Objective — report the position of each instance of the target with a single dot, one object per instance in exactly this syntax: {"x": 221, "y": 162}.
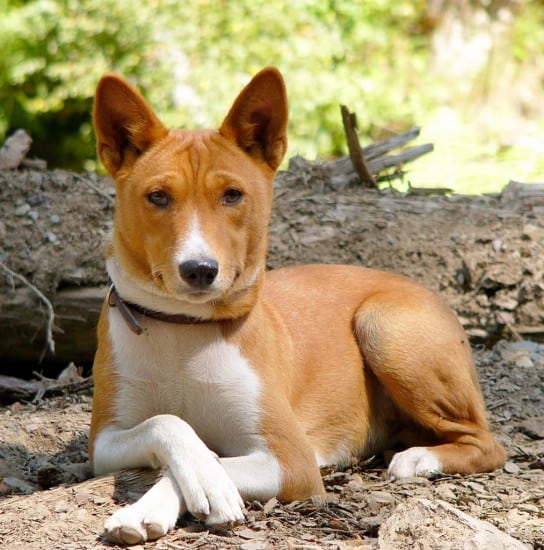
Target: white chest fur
{"x": 190, "y": 372}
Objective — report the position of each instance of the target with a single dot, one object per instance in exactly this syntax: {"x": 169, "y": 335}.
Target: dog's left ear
{"x": 257, "y": 122}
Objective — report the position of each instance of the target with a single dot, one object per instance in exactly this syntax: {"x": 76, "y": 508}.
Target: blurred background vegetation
{"x": 470, "y": 72}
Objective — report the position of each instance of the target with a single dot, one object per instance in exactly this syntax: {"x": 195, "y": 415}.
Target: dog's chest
{"x": 191, "y": 372}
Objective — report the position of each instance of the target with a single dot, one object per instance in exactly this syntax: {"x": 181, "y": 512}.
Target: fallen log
{"x": 316, "y": 217}
{"x": 23, "y": 326}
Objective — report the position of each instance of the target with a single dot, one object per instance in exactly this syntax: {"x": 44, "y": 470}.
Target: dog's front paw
{"x": 416, "y": 461}
{"x": 149, "y": 518}
{"x": 209, "y": 492}
{"x": 131, "y": 525}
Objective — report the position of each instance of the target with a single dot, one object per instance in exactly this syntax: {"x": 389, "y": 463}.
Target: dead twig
{"x": 355, "y": 151}
{"x": 50, "y": 341}
{"x": 378, "y": 164}
{"x": 17, "y": 389}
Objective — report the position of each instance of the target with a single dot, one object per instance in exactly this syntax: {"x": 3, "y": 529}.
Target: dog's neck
{"x": 126, "y": 309}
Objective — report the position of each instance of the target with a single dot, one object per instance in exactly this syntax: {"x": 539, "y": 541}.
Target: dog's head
{"x": 192, "y": 207}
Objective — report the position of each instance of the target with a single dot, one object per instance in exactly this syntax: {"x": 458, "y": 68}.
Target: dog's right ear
{"x": 257, "y": 122}
{"x": 125, "y": 124}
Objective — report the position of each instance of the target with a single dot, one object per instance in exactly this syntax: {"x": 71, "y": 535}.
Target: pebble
{"x": 51, "y": 237}
{"x": 54, "y": 219}
{"x": 531, "y": 508}
{"x": 532, "y": 232}
{"x": 33, "y": 215}
{"x": 497, "y": 245}
{"x": 511, "y": 468}
{"x": 35, "y": 200}
{"x": 445, "y": 493}
{"x": 524, "y": 362}
{"x": 533, "y": 427}
{"x": 23, "y": 209}
{"x": 35, "y": 179}
{"x": 382, "y": 497}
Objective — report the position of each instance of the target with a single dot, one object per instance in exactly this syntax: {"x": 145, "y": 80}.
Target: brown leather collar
{"x": 114, "y": 300}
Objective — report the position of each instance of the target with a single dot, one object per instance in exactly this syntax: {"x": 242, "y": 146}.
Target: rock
{"x": 382, "y": 497}
{"x": 524, "y": 362}
{"x": 23, "y": 210}
{"x": 511, "y": 468}
{"x": 420, "y": 523}
{"x": 532, "y": 232}
{"x": 445, "y": 492}
{"x": 19, "y": 485}
{"x": 533, "y": 427}
{"x": 525, "y": 345}
{"x": 14, "y": 150}
{"x": 51, "y": 237}
{"x": 36, "y": 200}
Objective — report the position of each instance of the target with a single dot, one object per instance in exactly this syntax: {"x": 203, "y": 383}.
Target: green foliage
{"x": 191, "y": 58}
{"x": 53, "y": 53}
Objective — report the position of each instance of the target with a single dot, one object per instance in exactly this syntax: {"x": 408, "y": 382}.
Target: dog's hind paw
{"x": 416, "y": 461}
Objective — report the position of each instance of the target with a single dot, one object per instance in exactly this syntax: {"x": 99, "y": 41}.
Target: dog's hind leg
{"x": 420, "y": 354}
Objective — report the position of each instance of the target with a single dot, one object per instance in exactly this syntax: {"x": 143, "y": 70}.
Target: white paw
{"x": 209, "y": 492}
{"x": 132, "y": 525}
{"x": 416, "y": 461}
{"x": 151, "y": 517}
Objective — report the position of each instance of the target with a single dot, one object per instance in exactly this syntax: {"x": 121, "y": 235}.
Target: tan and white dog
{"x": 241, "y": 383}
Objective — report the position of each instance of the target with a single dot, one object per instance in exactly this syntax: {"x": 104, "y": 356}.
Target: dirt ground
{"x": 43, "y": 445}
{"x": 485, "y": 255}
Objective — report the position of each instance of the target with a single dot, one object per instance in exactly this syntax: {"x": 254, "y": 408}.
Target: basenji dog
{"x": 242, "y": 383}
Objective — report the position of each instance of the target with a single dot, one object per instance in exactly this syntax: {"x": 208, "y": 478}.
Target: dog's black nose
{"x": 199, "y": 274}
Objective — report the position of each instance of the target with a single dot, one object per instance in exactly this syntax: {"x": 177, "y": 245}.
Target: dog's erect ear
{"x": 125, "y": 125}
{"x": 257, "y": 121}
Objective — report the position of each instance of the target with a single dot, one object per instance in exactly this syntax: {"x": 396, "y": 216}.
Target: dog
{"x": 241, "y": 383}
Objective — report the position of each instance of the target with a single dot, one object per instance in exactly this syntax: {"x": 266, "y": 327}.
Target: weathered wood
{"x": 347, "y": 218}
{"x": 346, "y": 170}
{"x": 15, "y": 389}
{"x": 397, "y": 141}
{"x": 381, "y": 163}
{"x": 23, "y": 325}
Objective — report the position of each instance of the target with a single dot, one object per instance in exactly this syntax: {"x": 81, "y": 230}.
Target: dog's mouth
{"x": 231, "y": 285}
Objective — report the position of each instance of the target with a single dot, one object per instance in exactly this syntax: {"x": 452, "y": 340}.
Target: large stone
{"x": 428, "y": 525}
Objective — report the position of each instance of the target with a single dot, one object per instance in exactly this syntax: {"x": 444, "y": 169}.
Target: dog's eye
{"x": 159, "y": 198}
{"x": 232, "y": 197}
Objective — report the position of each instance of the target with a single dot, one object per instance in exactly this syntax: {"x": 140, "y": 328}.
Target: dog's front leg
{"x": 196, "y": 481}
{"x": 258, "y": 476}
